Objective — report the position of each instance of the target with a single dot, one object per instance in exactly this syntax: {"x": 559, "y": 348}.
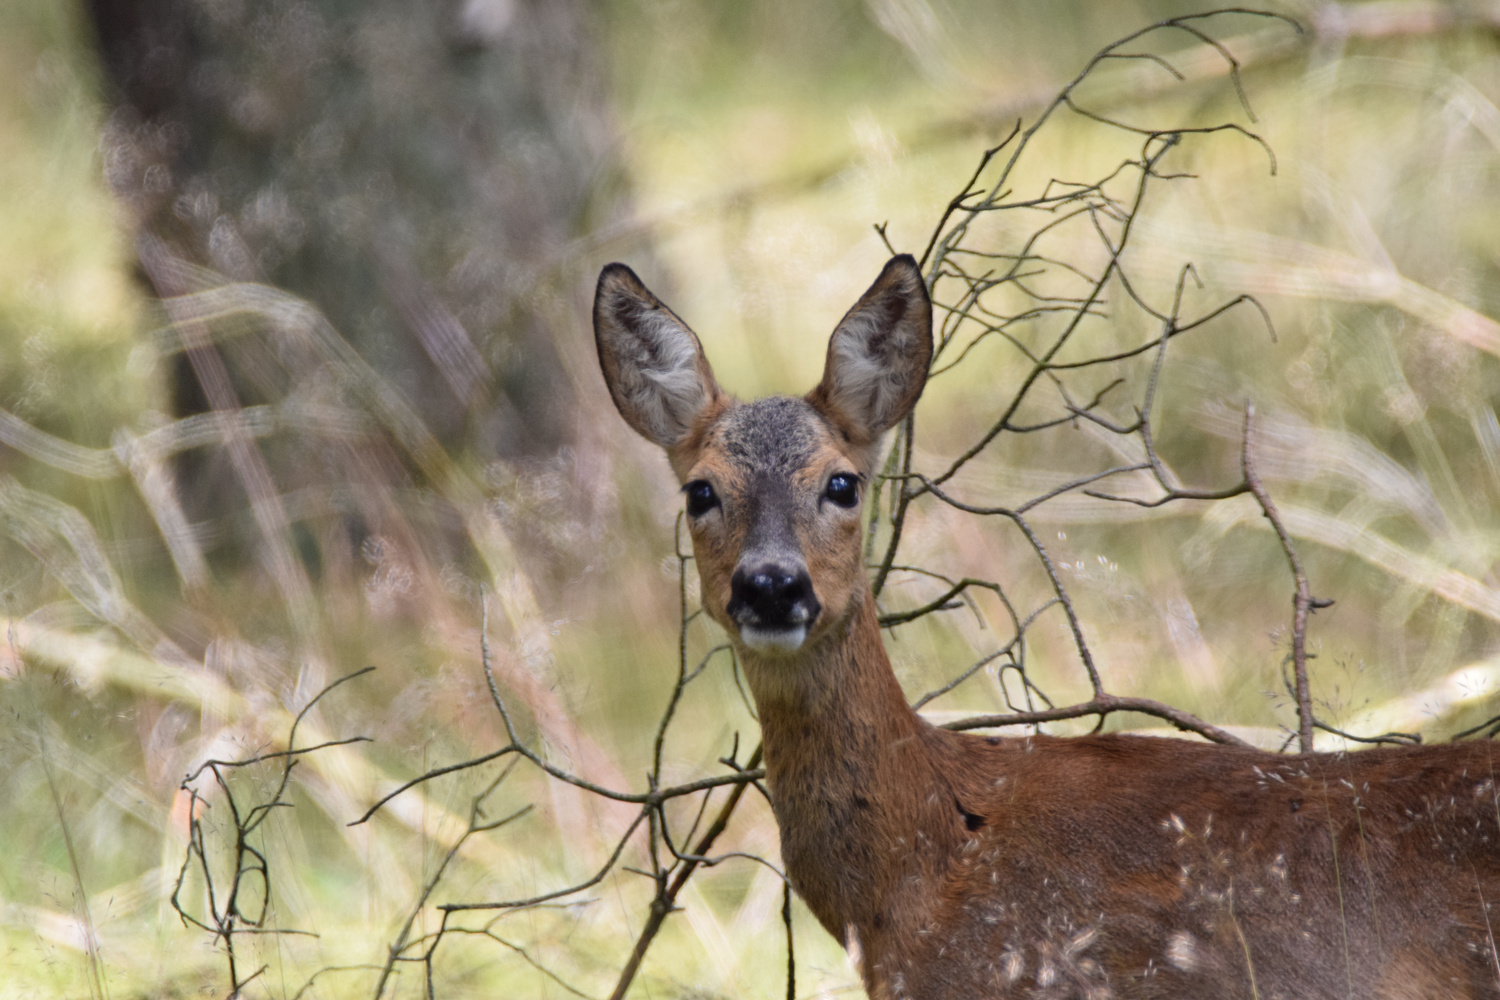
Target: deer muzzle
{"x": 772, "y": 605}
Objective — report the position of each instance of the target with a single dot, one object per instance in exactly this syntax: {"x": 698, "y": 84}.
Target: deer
{"x": 959, "y": 865}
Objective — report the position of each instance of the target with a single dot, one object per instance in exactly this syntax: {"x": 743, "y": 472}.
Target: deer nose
{"x": 772, "y": 597}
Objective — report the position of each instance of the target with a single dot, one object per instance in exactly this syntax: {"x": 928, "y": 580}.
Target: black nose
{"x": 771, "y": 596}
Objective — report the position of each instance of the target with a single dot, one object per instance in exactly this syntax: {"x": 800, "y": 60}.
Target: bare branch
{"x": 1103, "y": 705}
{"x": 1303, "y": 603}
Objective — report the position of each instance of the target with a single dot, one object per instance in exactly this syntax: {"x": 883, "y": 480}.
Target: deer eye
{"x": 843, "y": 489}
{"x": 701, "y": 497}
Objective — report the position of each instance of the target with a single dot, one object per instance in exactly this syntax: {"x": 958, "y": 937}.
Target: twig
{"x": 1303, "y": 603}
{"x": 227, "y": 915}
{"x": 1103, "y": 705}
{"x": 666, "y": 899}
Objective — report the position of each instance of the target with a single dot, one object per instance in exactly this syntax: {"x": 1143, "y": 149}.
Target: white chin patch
{"x": 779, "y": 640}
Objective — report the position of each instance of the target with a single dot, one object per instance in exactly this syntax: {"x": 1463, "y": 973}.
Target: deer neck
{"x": 853, "y": 776}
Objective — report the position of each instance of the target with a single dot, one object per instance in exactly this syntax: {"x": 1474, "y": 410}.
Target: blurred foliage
{"x": 69, "y": 312}
{"x": 759, "y": 143}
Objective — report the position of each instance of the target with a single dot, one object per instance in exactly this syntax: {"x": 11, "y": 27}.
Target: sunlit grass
{"x": 1372, "y": 249}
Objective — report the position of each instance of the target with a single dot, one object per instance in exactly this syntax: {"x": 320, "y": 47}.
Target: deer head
{"x": 774, "y": 488}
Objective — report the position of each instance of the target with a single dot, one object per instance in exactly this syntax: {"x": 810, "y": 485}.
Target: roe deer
{"x": 956, "y": 865}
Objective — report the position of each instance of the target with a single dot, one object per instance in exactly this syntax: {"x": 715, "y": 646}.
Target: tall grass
{"x": 141, "y": 643}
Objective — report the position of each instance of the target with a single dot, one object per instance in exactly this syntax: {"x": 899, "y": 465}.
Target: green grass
{"x": 1371, "y": 248}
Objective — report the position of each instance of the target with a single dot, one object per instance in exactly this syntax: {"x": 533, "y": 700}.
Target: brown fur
{"x": 958, "y": 865}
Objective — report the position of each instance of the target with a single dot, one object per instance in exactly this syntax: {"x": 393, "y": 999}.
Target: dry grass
{"x": 141, "y": 643}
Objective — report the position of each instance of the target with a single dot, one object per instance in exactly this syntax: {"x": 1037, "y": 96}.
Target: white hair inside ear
{"x": 879, "y": 353}
{"x": 652, "y": 363}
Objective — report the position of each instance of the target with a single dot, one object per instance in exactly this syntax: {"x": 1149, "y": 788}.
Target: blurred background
{"x": 296, "y": 372}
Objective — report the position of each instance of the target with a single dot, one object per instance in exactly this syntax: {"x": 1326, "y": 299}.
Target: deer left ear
{"x": 878, "y": 355}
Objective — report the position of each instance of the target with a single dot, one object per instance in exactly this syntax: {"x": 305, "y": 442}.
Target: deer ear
{"x": 878, "y": 355}
{"x": 653, "y": 364}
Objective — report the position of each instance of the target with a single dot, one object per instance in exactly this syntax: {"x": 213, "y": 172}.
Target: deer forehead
{"x": 780, "y": 439}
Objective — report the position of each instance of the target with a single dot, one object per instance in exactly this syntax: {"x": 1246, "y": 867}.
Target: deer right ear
{"x": 653, "y": 364}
